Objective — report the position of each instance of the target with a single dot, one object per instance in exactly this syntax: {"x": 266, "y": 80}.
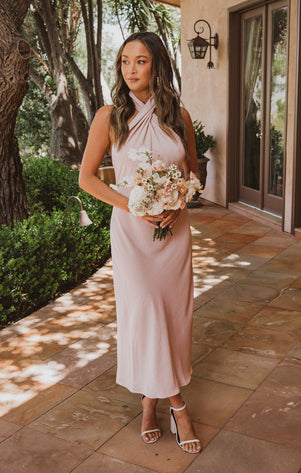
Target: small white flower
{"x": 144, "y": 150}
{"x": 146, "y": 166}
{"x": 115, "y": 187}
{"x": 134, "y": 155}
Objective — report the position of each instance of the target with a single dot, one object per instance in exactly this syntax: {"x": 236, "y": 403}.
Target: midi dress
{"x": 152, "y": 279}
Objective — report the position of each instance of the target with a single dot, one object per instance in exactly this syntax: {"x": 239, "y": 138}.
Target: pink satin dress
{"x": 152, "y": 280}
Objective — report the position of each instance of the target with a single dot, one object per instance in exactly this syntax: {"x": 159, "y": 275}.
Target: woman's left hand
{"x": 170, "y": 217}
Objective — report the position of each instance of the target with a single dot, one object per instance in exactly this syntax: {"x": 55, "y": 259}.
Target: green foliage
{"x": 48, "y": 183}
{"x": 203, "y": 142}
{"x": 33, "y": 126}
{"x": 42, "y": 256}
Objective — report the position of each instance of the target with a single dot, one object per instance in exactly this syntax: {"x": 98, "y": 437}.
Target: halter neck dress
{"x": 152, "y": 280}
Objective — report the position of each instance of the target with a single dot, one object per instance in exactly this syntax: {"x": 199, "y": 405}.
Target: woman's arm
{"x": 97, "y": 145}
{"x": 190, "y": 163}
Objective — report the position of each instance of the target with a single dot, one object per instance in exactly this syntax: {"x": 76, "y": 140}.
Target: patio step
{"x": 298, "y": 233}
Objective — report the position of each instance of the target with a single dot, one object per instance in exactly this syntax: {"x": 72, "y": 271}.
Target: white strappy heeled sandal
{"x": 149, "y": 431}
{"x": 174, "y": 430}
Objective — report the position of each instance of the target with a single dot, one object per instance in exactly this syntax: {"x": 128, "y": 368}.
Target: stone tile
{"x": 287, "y": 321}
{"x": 7, "y": 429}
{"x": 88, "y": 358}
{"x": 276, "y": 239}
{"x": 212, "y": 332}
{"x": 199, "y": 300}
{"x": 82, "y": 318}
{"x": 232, "y": 237}
{"x": 85, "y": 418}
{"x": 291, "y": 253}
{"x": 285, "y": 381}
{"x": 263, "y": 278}
{"x": 200, "y": 219}
{"x": 211, "y": 209}
{"x": 32, "y": 346}
{"x": 230, "y": 222}
{"x": 270, "y": 417}
{"x": 234, "y": 453}
{"x": 288, "y": 299}
{"x": 297, "y": 284}
{"x": 277, "y": 265}
{"x": 235, "y": 368}
{"x": 34, "y": 379}
{"x": 38, "y": 405}
{"x": 28, "y": 323}
{"x": 260, "y": 250}
{"x": 105, "y": 387}
{"x": 253, "y": 228}
{"x": 210, "y": 402}
{"x": 199, "y": 351}
{"x": 10, "y": 398}
{"x": 250, "y": 293}
{"x": 80, "y": 377}
{"x": 294, "y": 356}
{"x": 99, "y": 463}
{"x": 213, "y": 281}
{"x": 163, "y": 456}
{"x": 28, "y": 451}
{"x": 220, "y": 308}
{"x": 245, "y": 261}
{"x": 262, "y": 342}
{"x": 11, "y": 367}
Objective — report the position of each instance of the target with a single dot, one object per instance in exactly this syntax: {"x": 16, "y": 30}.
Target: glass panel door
{"x": 263, "y": 106}
{"x": 252, "y": 101}
{"x": 276, "y": 116}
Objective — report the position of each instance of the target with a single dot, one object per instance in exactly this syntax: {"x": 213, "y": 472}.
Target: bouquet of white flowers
{"x": 158, "y": 187}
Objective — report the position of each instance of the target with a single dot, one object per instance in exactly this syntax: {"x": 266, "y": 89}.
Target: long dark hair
{"x": 167, "y": 99}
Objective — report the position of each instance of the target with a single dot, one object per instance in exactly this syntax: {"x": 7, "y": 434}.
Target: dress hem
{"x": 152, "y": 395}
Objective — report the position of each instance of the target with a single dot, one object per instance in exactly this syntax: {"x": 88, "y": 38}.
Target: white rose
{"x": 137, "y": 201}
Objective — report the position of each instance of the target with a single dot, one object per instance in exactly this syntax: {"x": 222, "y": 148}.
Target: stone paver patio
{"x": 62, "y": 412}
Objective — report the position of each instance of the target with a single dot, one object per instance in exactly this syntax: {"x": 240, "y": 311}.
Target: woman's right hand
{"x": 152, "y": 219}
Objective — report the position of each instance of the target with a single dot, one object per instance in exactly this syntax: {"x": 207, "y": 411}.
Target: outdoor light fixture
{"x": 198, "y": 46}
{"x": 83, "y": 217}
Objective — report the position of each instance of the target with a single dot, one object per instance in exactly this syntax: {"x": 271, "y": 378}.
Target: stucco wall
{"x": 204, "y": 91}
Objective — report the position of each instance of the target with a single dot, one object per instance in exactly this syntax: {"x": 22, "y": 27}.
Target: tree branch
{"x": 39, "y": 81}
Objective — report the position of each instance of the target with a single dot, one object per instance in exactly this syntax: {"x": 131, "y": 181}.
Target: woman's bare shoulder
{"x": 185, "y": 114}
{"x": 104, "y": 113}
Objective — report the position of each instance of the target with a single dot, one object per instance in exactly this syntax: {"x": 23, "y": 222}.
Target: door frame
{"x": 297, "y": 141}
{"x": 233, "y": 101}
{"x": 252, "y": 196}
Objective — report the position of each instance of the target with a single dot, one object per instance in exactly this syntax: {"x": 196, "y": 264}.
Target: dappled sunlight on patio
{"x": 58, "y": 365}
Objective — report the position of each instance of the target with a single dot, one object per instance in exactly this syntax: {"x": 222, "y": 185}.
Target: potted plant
{"x": 203, "y": 143}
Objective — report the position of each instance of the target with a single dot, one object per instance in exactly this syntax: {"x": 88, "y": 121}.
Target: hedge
{"x": 42, "y": 256}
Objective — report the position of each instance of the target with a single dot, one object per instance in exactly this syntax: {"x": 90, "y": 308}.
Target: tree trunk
{"x": 63, "y": 143}
{"x": 14, "y": 63}
{"x": 69, "y": 126}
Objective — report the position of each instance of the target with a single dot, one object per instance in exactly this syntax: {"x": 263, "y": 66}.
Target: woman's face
{"x": 136, "y": 69}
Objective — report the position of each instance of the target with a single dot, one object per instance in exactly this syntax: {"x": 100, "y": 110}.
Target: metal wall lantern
{"x": 83, "y": 217}
{"x": 198, "y": 46}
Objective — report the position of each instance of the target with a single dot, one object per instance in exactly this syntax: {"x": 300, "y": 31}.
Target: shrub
{"x": 42, "y": 256}
{"x": 48, "y": 183}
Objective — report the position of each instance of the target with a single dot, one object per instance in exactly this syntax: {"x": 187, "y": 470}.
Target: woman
{"x": 152, "y": 280}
